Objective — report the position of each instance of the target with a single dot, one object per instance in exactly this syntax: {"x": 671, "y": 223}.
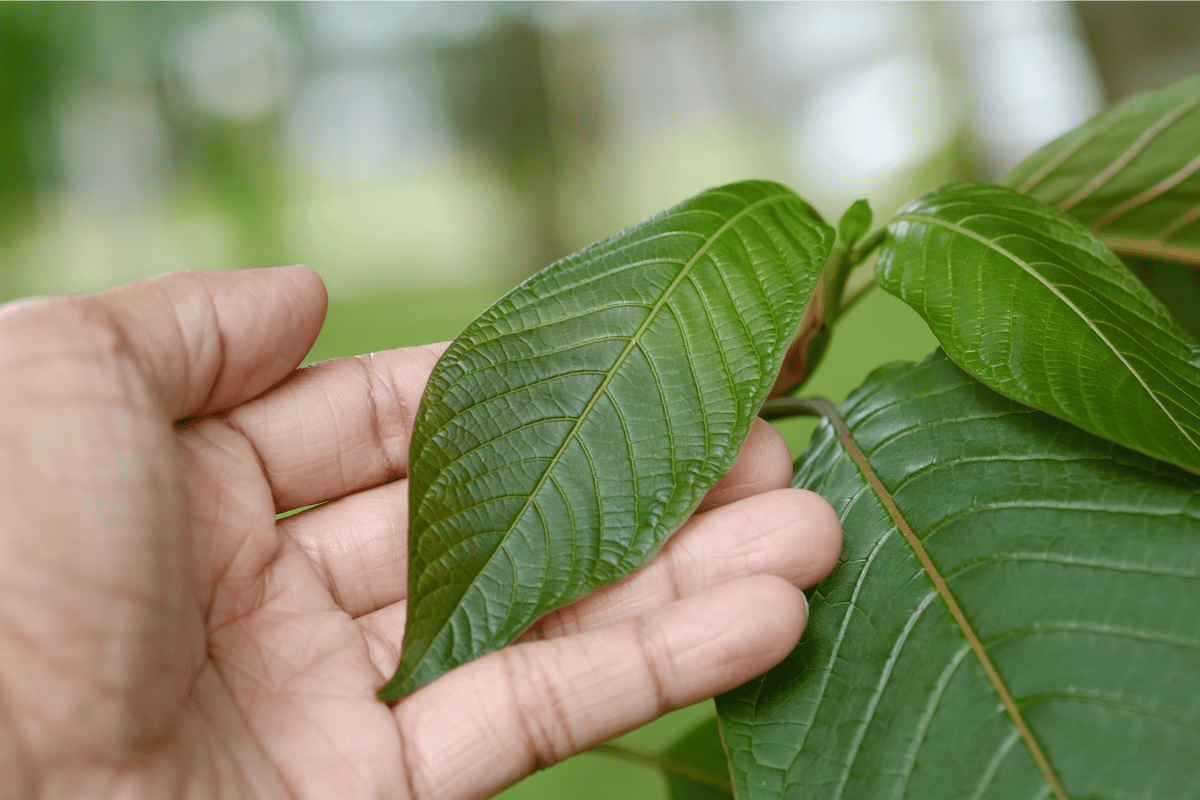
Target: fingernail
{"x": 804, "y": 597}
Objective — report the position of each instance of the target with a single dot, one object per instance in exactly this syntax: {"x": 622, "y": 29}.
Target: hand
{"x": 162, "y": 634}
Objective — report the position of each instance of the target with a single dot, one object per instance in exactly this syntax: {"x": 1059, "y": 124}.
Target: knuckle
{"x": 539, "y": 705}
{"x": 658, "y": 661}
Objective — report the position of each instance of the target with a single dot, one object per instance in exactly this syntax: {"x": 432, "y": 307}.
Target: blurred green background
{"x": 423, "y": 157}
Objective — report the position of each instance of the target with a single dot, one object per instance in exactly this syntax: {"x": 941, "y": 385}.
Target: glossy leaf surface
{"x": 700, "y": 769}
{"x": 1032, "y": 304}
{"x": 1132, "y": 174}
{"x": 1075, "y": 564}
{"x": 570, "y": 429}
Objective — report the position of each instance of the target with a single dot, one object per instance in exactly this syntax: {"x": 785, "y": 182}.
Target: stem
{"x": 784, "y": 407}
{"x": 828, "y": 301}
{"x": 856, "y": 293}
{"x": 867, "y": 246}
{"x": 651, "y": 759}
{"x": 847, "y": 261}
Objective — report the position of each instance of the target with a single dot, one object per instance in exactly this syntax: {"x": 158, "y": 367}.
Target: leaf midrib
{"x": 634, "y": 339}
{"x": 1153, "y": 248}
{"x": 1066, "y": 301}
{"x": 830, "y": 412}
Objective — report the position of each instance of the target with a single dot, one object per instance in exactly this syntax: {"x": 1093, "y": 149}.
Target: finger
{"x": 358, "y": 545}
{"x": 357, "y": 542}
{"x": 483, "y": 726}
{"x": 210, "y": 340}
{"x": 763, "y": 464}
{"x": 338, "y": 426}
{"x": 792, "y": 534}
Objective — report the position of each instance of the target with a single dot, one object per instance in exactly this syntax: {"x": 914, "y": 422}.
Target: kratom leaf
{"x": 1177, "y": 286}
{"x": 1029, "y": 302}
{"x": 1013, "y": 615}
{"x": 698, "y": 767}
{"x": 1131, "y": 174}
{"x": 855, "y": 222}
{"x": 570, "y": 429}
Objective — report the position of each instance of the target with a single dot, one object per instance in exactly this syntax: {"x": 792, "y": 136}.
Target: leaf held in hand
{"x": 576, "y": 424}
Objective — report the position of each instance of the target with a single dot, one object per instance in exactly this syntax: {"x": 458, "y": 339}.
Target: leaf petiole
{"x": 784, "y": 407}
{"x": 649, "y": 758}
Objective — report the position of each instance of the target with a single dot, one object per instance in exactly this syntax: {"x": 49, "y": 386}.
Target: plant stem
{"x": 847, "y": 260}
{"x": 855, "y": 293}
{"x": 651, "y": 759}
{"x": 829, "y": 300}
{"x": 867, "y": 246}
{"x": 784, "y": 407}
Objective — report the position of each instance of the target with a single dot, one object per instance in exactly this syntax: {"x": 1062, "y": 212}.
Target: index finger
{"x": 338, "y": 426}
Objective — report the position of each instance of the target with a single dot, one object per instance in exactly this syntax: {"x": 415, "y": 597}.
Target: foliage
{"x": 579, "y": 421}
{"x": 1014, "y": 612}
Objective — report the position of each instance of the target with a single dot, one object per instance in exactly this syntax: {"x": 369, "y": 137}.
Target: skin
{"x": 163, "y": 635}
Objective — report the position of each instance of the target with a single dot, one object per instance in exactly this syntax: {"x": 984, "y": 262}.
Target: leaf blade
{"x": 1067, "y": 553}
{"x": 1028, "y": 301}
{"x": 855, "y": 222}
{"x": 589, "y": 363}
{"x": 1132, "y": 174}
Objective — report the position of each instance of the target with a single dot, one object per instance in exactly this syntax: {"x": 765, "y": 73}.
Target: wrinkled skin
{"x": 163, "y": 635}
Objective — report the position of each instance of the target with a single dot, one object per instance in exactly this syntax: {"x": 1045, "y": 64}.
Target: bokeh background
{"x": 424, "y": 157}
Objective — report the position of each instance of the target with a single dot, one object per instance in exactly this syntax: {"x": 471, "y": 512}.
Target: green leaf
{"x": 1132, "y": 174}
{"x": 855, "y": 222}
{"x": 1177, "y": 286}
{"x": 1074, "y": 566}
{"x": 570, "y": 429}
{"x": 695, "y": 766}
{"x": 1032, "y": 304}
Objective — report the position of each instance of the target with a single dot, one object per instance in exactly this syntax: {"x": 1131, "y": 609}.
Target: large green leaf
{"x": 1028, "y": 301}
{"x": 578, "y": 422}
{"x": 1014, "y": 614}
{"x": 1131, "y": 174}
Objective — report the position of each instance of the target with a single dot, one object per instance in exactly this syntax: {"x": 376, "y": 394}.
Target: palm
{"x": 171, "y": 637}
{"x": 289, "y": 672}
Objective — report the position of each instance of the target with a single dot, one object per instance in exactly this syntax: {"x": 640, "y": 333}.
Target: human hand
{"x": 162, "y": 634}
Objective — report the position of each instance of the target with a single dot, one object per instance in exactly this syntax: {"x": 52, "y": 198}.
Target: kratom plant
{"x": 1016, "y": 612}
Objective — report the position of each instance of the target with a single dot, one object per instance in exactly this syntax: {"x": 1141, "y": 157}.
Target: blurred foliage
{"x": 30, "y": 63}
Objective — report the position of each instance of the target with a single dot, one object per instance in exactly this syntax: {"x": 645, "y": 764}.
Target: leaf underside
{"x": 1076, "y": 565}
{"x": 575, "y": 425}
{"x": 1131, "y": 174}
{"x": 1032, "y": 304}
